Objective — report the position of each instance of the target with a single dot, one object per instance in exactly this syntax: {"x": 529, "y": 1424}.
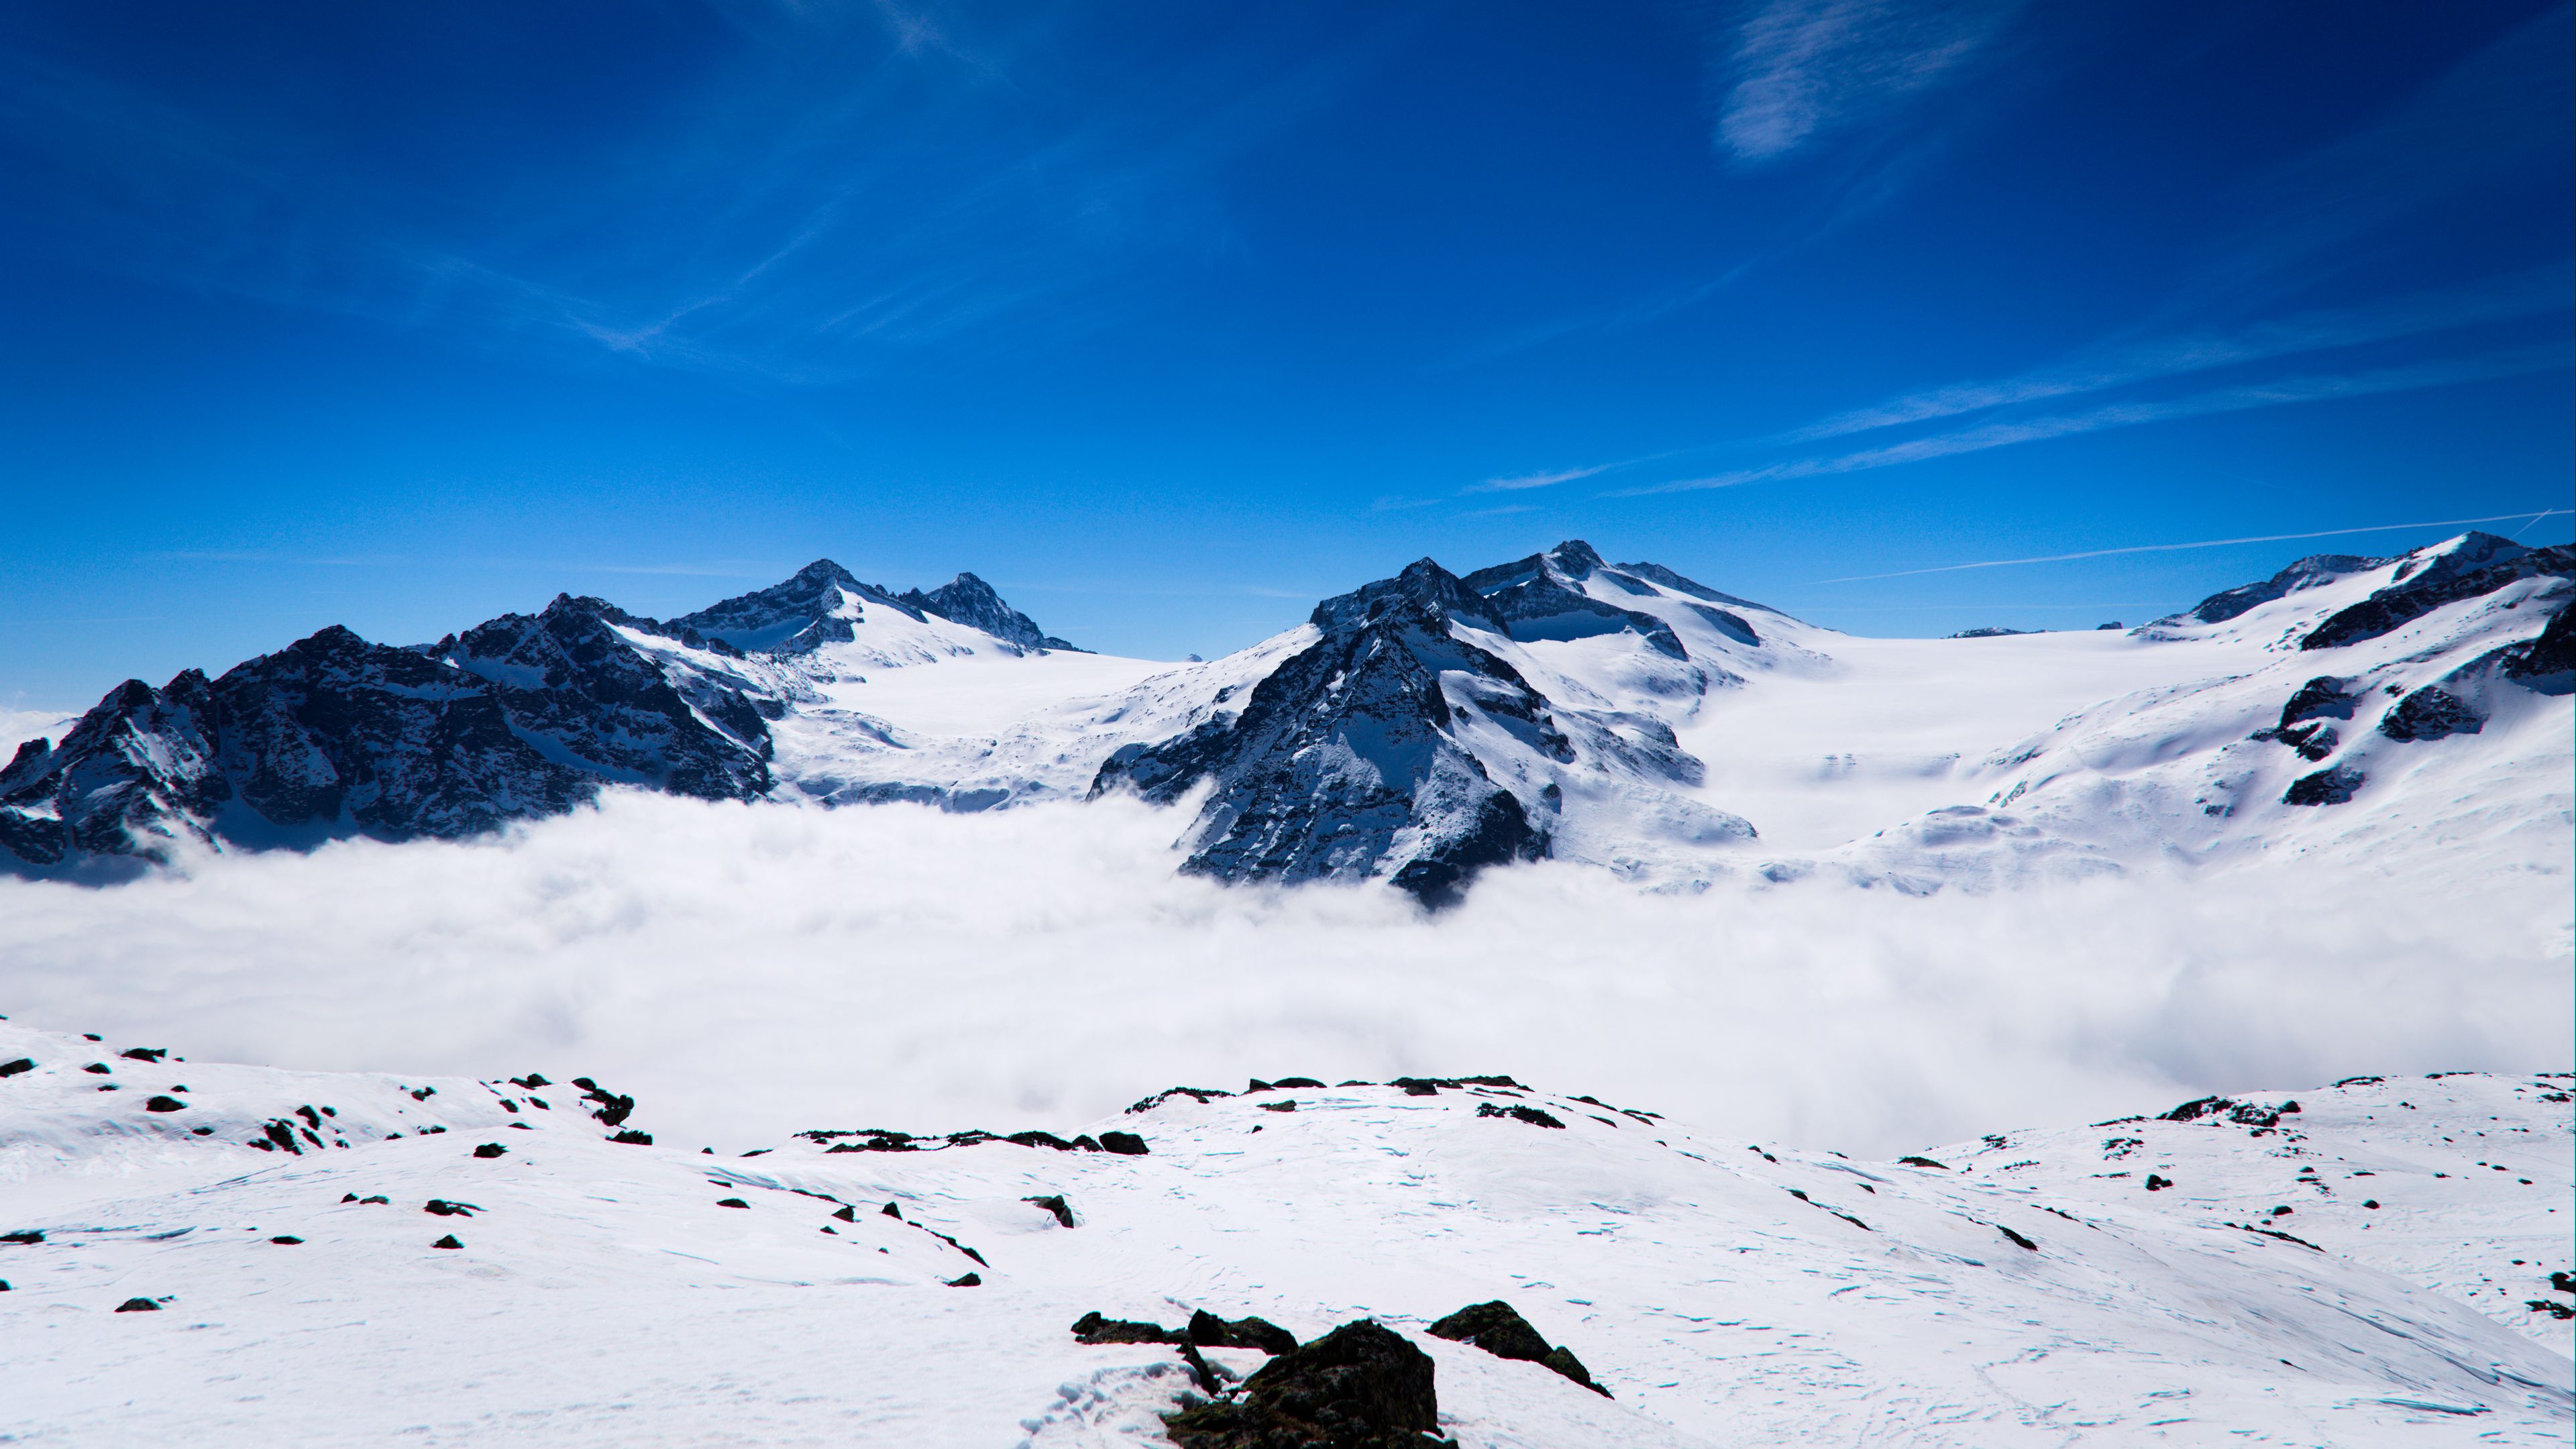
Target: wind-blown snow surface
{"x": 449, "y": 1261}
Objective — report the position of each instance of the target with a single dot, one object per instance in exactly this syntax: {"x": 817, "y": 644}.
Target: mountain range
{"x": 1416, "y": 730}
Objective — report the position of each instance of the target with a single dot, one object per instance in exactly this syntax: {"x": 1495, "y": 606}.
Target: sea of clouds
{"x": 751, "y": 970}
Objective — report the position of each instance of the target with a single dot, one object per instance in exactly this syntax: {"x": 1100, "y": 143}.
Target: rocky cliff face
{"x": 970, "y": 601}
{"x": 332, "y": 736}
{"x": 1346, "y": 761}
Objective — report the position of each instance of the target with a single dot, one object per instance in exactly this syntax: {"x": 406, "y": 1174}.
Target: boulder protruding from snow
{"x": 1361, "y": 1386}
{"x": 1499, "y": 1329}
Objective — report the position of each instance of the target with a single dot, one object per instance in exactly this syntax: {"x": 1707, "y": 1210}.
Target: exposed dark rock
{"x": 794, "y": 617}
{"x": 286, "y": 1242}
{"x": 2480, "y": 564}
{"x": 970, "y": 601}
{"x": 1351, "y": 743}
{"x": 1196, "y": 1094}
{"x": 1531, "y": 1115}
{"x": 731, "y": 1202}
{"x": 1301, "y": 1084}
{"x": 521, "y": 717}
{"x": 633, "y": 1137}
{"x": 1213, "y": 1332}
{"x": 2548, "y": 662}
{"x": 2306, "y": 573}
{"x": 2017, "y": 1239}
{"x": 23, "y": 1235}
{"x": 1499, "y": 1329}
{"x": 613, "y": 1109}
{"x": 2156, "y": 1183}
{"x": 1093, "y": 1328}
{"x": 449, "y": 1241}
{"x": 970, "y": 1280}
{"x": 1922, "y": 1162}
{"x": 1360, "y": 1386}
{"x": 1989, "y": 631}
{"x": 165, "y": 1104}
{"x": 2430, "y": 713}
{"x": 442, "y": 1208}
{"x": 145, "y": 1054}
{"x": 2326, "y": 787}
{"x": 1055, "y": 1206}
{"x": 1126, "y": 1144}
{"x": 22, "y": 1064}
{"x": 1539, "y": 598}
{"x": 138, "y": 1305}
{"x": 490, "y": 1149}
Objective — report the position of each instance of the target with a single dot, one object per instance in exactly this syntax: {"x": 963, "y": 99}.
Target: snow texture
{"x": 855, "y": 1284}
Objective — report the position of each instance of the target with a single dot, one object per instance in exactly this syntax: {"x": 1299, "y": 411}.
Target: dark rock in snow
{"x": 2430, "y": 713}
{"x": 23, "y": 1235}
{"x": 2326, "y": 787}
{"x": 1210, "y": 1331}
{"x": 1989, "y": 631}
{"x": 449, "y": 1241}
{"x": 333, "y": 736}
{"x": 286, "y": 1242}
{"x": 1093, "y": 1328}
{"x": 22, "y": 1064}
{"x": 970, "y": 601}
{"x": 144, "y": 1054}
{"x": 971, "y": 1280}
{"x": 794, "y": 617}
{"x": 98, "y": 1068}
{"x": 1124, "y": 1143}
{"x": 1499, "y": 1329}
{"x": 490, "y": 1149}
{"x": 731, "y": 1202}
{"x": 1361, "y": 1386}
{"x": 165, "y": 1104}
{"x": 1538, "y": 598}
{"x": 633, "y": 1138}
{"x": 1055, "y": 1207}
{"x": 1922, "y": 1162}
{"x": 1350, "y": 747}
{"x": 2548, "y": 662}
{"x": 442, "y": 1208}
{"x": 1531, "y": 1115}
{"x": 2307, "y": 573}
{"x": 2017, "y": 1239}
{"x": 138, "y": 1305}
{"x": 2480, "y": 563}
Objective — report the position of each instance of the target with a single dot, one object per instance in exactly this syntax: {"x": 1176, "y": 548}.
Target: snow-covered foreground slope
{"x": 823, "y": 1291}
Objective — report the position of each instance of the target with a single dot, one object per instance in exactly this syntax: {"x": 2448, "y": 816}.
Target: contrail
{"x": 2005, "y": 563}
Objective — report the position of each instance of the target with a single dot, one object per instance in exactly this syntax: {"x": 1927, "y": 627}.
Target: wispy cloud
{"x": 2525, "y": 519}
{"x": 2510, "y": 362}
{"x": 2523, "y": 294}
{"x": 1793, "y": 70}
{"x": 1523, "y": 481}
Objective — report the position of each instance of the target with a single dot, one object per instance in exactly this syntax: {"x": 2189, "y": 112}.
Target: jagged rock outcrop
{"x": 2481, "y": 563}
{"x": 815, "y": 607}
{"x": 522, "y": 717}
{"x": 969, "y": 600}
{"x": 1344, "y": 763}
{"x": 1538, "y": 598}
{"x": 2305, "y": 574}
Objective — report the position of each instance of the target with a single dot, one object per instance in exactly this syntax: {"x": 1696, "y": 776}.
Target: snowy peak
{"x": 817, "y": 606}
{"x": 969, "y": 600}
{"x": 1542, "y": 597}
{"x": 1347, "y": 761}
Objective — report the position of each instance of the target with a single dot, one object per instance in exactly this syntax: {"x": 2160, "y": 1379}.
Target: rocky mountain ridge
{"x": 1415, "y": 730}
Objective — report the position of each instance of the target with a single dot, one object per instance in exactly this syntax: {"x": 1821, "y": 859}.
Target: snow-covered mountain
{"x": 1415, "y": 730}
{"x": 208, "y": 1254}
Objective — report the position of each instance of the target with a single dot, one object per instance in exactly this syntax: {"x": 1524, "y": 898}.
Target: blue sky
{"x": 1170, "y": 318}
